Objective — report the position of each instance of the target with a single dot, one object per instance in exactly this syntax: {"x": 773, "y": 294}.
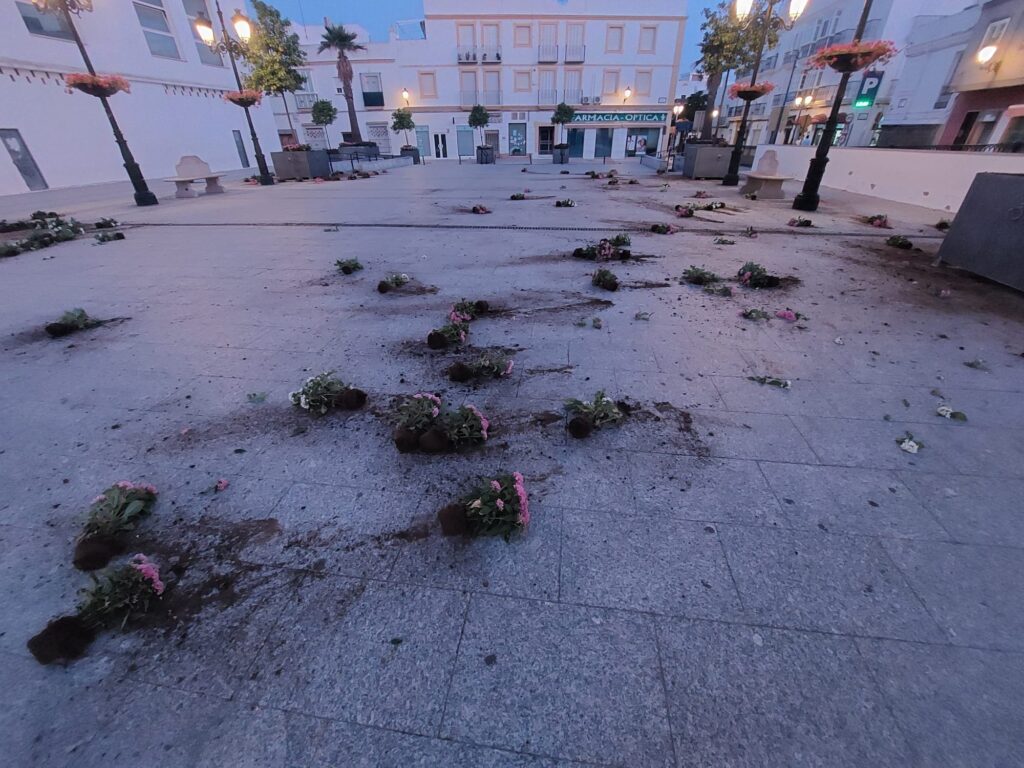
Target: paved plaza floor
{"x": 736, "y": 575}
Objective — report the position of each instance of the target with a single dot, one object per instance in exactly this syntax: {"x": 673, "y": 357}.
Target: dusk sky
{"x": 378, "y": 16}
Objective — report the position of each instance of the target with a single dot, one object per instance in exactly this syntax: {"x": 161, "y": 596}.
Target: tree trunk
{"x": 714, "y": 82}
{"x": 345, "y": 74}
{"x": 284, "y": 98}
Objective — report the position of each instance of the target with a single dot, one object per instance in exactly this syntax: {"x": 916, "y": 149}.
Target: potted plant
{"x": 480, "y": 119}
{"x": 401, "y": 120}
{"x": 563, "y": 115}
{"x": 750, "y": 91}
{"x": 247, "y": 97}
{"x": 851, "y": 57}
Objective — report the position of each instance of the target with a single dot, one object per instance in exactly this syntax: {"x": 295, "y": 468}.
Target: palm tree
{"x": 337, "y": 38}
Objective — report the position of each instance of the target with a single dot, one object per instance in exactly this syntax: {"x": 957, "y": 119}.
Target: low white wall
{"x": 938, "y": 180}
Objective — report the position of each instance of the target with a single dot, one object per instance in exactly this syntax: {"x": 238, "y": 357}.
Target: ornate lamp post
{"x": 743, "y": 12}
{"x": 808, "y": 198}
{"x": 65, "y": 9}
{"x": 233, "y": 48}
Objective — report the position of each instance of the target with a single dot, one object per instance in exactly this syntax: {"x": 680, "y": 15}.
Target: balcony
{"x": 547, "y": 54}
{"x": 572, "y": 97}
{"x": 467, "y": 54}
{"x": 489, "y": 54}
{"x": 492, "y": 98}
{"x": 547, "y": 96}
{"x": 575, "y": 54}
{"x": 373, "y": 98}
{"x": 468, "y": 98}
{"x": 304, "y": 101}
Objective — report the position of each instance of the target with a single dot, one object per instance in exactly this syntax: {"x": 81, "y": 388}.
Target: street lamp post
{"x": 64, "y": 9}
{"x": 808, "y": 198}
{"x": 233, "y": 48}
{"x": 743, "y": 11}
{"x": 792, "y": 73}
{"x": 801, "y": 103}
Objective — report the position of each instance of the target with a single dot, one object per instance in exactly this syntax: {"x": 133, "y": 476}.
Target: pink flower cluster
{"x": 508, "y": 368}
{"x": 128, "y": 485}
{"x": 864, "y": 53}
{"x": 745, "y": 277}
{"x": 433, "y": 398}
{"x": 484, "y": 423}
{"x": 150, "y": 572}
{"x": 105, "y": 82}
{"x": 458, "y": 318}
{"x": 762, "y": 88}
{"x": 524, "y": 506}
{"x": 786, "y": 314}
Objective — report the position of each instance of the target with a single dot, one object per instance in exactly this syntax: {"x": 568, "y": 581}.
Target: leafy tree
{"x": 273, "y": 54}
{"x": 343, "y": 42}
{"x": 324, "y": 113}
{"x": 479, "y": 119}
{"x": 695, "y": 102}
{"x": 563, "y": 115}
{"x": 401, "y": 120}
{"x": 731, "y": 44}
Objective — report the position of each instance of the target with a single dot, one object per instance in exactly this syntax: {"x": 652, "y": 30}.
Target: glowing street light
{"x": 627, "y": 93}
{"x": 405, "y": 95}
{"x": 986, "y": 54}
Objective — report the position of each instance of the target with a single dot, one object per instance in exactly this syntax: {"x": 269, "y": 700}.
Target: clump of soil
{"x": 453, "y": 520}
{"x": 433, "y": 441}
{"x": 437, "y": 340}
{"x": 94, "y": 552}
{"x": 406, "y": 440}
{"x": 580, "y": 427}
{"x": 350, "y": 399}
{"x": 459, "y": 372}
{"x": 64, "y": 639}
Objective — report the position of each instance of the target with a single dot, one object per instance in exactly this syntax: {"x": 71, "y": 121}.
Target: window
{"x": 428, "y": 85}
{"x": 613, "y": 39}
{"x": 192, "y": 9}
{"x": 610, "y": 82}
{"x": 942, "y": 100}
{"x": 994, "y": 33}
{"x": 521, "y": 81}
{"x": 156, "y": 28}
{"x": 373, "y": 92}
{"x": 47, "y": 24}
{"x": 648, "y": 39}
{"x": 643, "y": 82}
{"x": 522, "y": 36}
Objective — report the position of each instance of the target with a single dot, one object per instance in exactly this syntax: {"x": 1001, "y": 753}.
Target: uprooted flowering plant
{"x": 565, "y": 203}
{"x": 487, "y": 366}
{"x": 800, "y": 221}
{"x": 947, "y": 412}
{"x": 771, "y": 381}
{"x": 393, "y": 281}
{"x": 324, "y": 391}
{"x": 348, "y": 266}
{"x": 685, "y": 211}
{"x": 790, "y": 316}
{"x": 603, "y": 250}
{"x": 517, "y": 196}
{"x": 879, "y": 220}
{"x": 480, "y": 209}
{"x": 699, "y": 276}
{"x": 605, "y": 279}
{"x": 753, "y": 275}
{"x": 119, "y": 508}
{"x": 620, "y": 240}
{"x": 754, "y": 314}
{"x": 466, "y": 311}
{"x": 899, "y": 241}
{"x": 496, "y": 507}
{"x": 587, "y": 416}
{"x": 423, "y": 423}
{"x": 448, "y": 335}
{"x": 909, "y": 444}
{"x": 664, "y": 229}
{"x": 123, "y": 594}
{"x": 71, "y": 321}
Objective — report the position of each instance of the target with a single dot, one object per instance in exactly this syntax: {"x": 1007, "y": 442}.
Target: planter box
{"x": 412, "y": 152}
{"x": 301, "y": 165}
{"x": 559, "y": 155}
{"x": 367, "y": 150}
{"x": 485, "y": 155}
{"x": 705, "y": 161}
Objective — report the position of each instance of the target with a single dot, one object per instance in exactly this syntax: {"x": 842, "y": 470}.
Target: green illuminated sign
{"x": 620, "y": 117}
{"x": 868, "y": 90}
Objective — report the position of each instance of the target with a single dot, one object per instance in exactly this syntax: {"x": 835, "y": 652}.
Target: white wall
{"x": 175, "y": 106}
{"x": 938, "y": 180}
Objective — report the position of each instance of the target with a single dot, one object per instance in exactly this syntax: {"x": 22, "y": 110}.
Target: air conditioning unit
{"x": 597, "y": 99}
{"x": 585, "y": 100}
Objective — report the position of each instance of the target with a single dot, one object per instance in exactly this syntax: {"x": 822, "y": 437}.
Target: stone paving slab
{"x": 833, "y": 632}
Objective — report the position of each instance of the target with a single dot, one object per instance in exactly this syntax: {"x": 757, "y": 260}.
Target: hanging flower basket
{"x": 244, "y": 98}
{"x": 750, "y": 92}
{"x": 852, "y": 57}
{"x": 98, "y": 85}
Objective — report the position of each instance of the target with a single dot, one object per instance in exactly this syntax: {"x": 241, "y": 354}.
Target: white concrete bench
{"x": 765, "y": 180}
{"x": 191, "y": 169}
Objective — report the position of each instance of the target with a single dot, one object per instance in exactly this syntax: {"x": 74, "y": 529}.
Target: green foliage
{"x": 601, "y": 410}
{"x": 899, "y": 241}
{"x": 496, "y": 511}
{"x": 77, "y": 317}
{"x": 606, "y": 279}
{"x": 118, "y": 509}
{"x": 319, "y": 394}
{"x": 728, "y": 44}
{"x": 754, "y": 314}
{"x": 323, "y": 112}
{"x": 117, "y": 596}
{"x": 700, "y": 276}
{"x": 771, "y": 381}
{"x": 753, "y": 275}
{"x": 348, "y": 266}
{"x": 273, "y": 53}
{"x": 562, "y": 116}
{"x": 620, "y": 240}
{"x": 479, "y": 118}
{"x": 517, "y": 196}
{"x": 401, "y": 120}
{"x": 695, "y": 103}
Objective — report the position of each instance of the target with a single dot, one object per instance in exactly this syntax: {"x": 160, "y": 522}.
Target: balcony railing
{"x": 547, "y": 54}
{"x": 547, "y": 96}
{"x": 468, "y": 98}
{"x": 373, "y": 98}
{"x": 305, "y": 100}
{"x": 489, "y": 54}
{"x": 492, "y": 98}
{"x": 572, "y": 97}
{"x": 466, "y": 54}
{"x": 575, "y": 54}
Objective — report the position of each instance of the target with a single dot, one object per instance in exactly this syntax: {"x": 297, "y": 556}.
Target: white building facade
{"x": 778, "y": 118}
{"x": 56, "y": 138}
{"x": 616, "y": 65}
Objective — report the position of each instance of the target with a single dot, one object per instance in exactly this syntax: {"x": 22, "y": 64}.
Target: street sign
{"x": 869, "y": 86}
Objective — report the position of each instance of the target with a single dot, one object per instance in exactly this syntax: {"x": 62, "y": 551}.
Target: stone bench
{"x": 765, "y": 180}
{"x": 191, "y": 169}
